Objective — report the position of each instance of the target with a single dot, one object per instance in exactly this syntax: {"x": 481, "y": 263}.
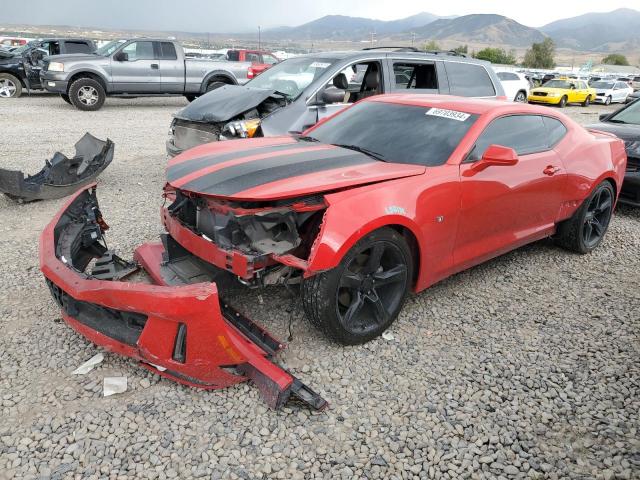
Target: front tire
{"x": 563, "y": 102}
{"x": 87, "y": 94}
{"x": 521, "y": 97}
{"x": 585, "y": 230}
{"x": 360, "y": 298}
{"x": 10, "y": 86}
{"x": 607, "y": 100}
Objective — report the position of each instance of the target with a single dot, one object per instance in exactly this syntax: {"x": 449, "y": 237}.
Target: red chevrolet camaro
{"x": 390, "y": 195}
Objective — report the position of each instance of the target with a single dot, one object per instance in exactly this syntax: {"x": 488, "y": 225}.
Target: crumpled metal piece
{"x": 61, "y": 176}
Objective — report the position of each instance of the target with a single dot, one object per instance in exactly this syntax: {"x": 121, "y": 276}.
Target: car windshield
{"x": 631, "y": 114}
{"x": 557, "y": 84}
{"x": 397, "y": 133}
{"x": 292, "y": 76}
{"x": 602, "y": 85}
{"x": 108, "y": 48}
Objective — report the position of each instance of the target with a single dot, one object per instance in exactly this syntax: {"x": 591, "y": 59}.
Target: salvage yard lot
{"x": 526, "y": 366}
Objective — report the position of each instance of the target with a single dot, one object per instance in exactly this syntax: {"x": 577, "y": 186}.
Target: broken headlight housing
{"x": 240, "y": 129}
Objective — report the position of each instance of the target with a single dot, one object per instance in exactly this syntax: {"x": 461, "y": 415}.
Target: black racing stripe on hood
{"x": 188, "y": 167}
{"x": 248, "y": 175}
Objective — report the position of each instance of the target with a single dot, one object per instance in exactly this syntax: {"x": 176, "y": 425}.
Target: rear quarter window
{"x": 78, "y": 47}
{"x": 469, "y": 80}
{"x": 555, "y": 130}
{"x": 168, "y": 51}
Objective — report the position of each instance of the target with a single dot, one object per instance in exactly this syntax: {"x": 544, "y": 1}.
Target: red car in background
{"x": 260, "y": 59}
{"x": 388, "y": 196}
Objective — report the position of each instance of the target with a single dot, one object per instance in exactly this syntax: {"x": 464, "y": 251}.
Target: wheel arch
{"x": 330, "y": 247}
{"x": 221, "y": 75}
{"x": 87, "y": 74}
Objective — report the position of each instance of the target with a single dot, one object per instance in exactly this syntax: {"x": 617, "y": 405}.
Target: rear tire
{"x": 563, "y": 102}
{"x": 66, "y": 98}
{"x": 587, "y": 101}
{"x": 360, "y": 298}
{"x": 585, "y": 230}
{"x": 87, "y": 94}
{"x": 191, "y": 98}
{"x": 215, "y": 85}
{"x": 10, "y": 86}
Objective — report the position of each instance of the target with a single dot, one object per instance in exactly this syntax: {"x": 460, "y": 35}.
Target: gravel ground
{"x": 524, "y": 367}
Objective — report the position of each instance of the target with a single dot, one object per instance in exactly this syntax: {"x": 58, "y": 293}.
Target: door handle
{"x": 155, "y": 66}
{"x": 551, "y": 170}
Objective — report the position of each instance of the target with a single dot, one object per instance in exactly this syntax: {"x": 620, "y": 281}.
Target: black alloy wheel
{"x": 361, "y": 297}
{"x": 597, "y": 218}
{"x": 371, "y": 287}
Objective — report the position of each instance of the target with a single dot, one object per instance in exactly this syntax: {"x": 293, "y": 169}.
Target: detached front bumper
{"x": 174, "y": 328}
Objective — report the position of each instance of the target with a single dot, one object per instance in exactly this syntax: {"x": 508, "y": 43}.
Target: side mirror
{"x": 121, "y": 57}
{"x": 495, "y": 155}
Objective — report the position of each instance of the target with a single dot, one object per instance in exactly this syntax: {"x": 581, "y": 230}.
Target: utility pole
{"x": 373, "y": 37}
{"x": 259, "y": 39}
{"x": 413, "y": 38}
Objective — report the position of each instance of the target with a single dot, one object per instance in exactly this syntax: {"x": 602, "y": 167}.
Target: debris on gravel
{"x": 525, "y": 367}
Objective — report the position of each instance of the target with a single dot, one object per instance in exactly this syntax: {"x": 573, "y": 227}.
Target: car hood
{"x": 550, "y": 90}
{"x": 624, "y": 131}
{"x": 224, "y": 103}
{"x": 277, "y": 168}
{"x": 72, "y": 57}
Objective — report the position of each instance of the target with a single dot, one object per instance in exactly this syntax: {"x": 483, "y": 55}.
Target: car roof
{"x": 380, "y": 53}
{"x": 477, "y": 106}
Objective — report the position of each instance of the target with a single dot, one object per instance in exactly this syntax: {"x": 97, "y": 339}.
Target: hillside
{"x": 481, "y": 28}
{"x": 340, "y": 27}
{"x": 616, "y": 30}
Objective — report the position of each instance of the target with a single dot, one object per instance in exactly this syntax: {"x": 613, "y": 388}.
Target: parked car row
{"x": 563, "y": 91}
{"x": 84, "y": 76}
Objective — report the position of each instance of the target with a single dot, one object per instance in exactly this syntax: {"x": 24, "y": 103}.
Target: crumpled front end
{"x": 175, "y": 325}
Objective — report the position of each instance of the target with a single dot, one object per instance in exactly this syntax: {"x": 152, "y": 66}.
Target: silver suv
{"x": 299, "y": 92}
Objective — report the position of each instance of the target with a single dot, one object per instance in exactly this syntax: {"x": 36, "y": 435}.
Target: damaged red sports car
{"x": 391, "y": 195}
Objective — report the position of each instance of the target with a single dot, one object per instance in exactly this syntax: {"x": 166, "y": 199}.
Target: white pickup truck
{"x": 135, "y": 68}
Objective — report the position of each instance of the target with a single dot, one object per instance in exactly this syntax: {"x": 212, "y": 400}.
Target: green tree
{"x": 464, "y": 49}
{"x": 431, "y": 46}
{"x": 615, "y": 59}
{"x": 540, "y": 55}
{"x": 496, "y": 55}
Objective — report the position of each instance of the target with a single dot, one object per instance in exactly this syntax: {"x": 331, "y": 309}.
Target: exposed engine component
{"x": 61, "y": 176}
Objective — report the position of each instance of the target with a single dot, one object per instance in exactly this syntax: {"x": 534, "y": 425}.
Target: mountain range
{"x": 618, "y": 30}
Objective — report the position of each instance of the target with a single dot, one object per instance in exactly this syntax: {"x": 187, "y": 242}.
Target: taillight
{"x": 250, "y": 72}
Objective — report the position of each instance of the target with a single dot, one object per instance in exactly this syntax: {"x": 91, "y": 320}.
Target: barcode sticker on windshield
{"x": 452, "y": 114}
{"x": 319, "y": 65}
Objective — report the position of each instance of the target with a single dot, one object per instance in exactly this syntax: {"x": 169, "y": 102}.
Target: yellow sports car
{"x": 560, "y": 91}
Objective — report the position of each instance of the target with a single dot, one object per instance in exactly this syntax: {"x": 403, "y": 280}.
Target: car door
{"x": 139, "y": 72}
{"x": 355, "y": 74}
{"x": 620, "y": 92}
{"x": 503, "y": 207}
{"x": 172, "y": 69}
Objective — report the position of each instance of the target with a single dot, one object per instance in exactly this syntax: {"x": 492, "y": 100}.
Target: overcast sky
{"x": 240, "y": 16}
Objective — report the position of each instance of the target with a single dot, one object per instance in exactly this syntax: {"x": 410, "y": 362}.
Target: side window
{"x": 355, "y": 82}
{"x": 421, "y": 76}
{"x": 77, "y": 47}
{"x": 469, "y": 80}
{"x": 252, "y": 57}
{"x": 269, "y": 59}
{"x": 507, "y": 76}
{"x": 233, "y": 55}
{"x": 139, "y": 51}
{"x": 555, "y": 130}
{"x": 168, "y": 51}
{"x": 526, "y": 134}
